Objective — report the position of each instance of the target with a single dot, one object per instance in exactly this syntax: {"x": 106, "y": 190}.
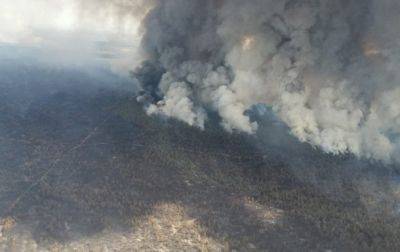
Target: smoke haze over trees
{"x": 327, "y": 68}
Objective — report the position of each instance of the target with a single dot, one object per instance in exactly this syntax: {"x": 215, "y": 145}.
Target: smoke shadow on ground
{"x": 131, "y": 163}
{"x": 333, "y": 174}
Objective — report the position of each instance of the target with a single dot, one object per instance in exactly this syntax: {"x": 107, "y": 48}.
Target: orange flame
{"x": 248, "y": 42}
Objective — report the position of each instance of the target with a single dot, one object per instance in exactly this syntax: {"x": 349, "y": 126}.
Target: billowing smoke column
{"x": 328, "y": 68}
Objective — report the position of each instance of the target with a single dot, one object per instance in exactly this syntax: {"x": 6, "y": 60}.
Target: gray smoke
{"x": 329, "y": 69}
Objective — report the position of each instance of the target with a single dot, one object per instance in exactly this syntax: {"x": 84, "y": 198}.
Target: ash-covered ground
{"x": 83, "y": 168}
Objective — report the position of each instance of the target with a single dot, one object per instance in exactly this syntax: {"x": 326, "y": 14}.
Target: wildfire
{"x": 370, "y": 49}
{"x": 248, "y": 42}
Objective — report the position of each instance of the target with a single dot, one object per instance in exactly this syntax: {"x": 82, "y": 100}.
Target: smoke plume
{"x": 328, "y": 69}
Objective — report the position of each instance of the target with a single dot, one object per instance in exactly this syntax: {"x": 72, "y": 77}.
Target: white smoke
{"x": 328, "y": 68}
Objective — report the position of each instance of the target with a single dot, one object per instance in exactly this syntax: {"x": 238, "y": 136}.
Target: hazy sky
{"x": 65, "y": 33}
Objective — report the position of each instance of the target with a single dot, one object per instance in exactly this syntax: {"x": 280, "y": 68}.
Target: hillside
{"x": 91, "y": 171}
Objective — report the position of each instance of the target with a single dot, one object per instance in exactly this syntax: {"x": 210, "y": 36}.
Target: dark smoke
{"x": 327, "y": 68}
